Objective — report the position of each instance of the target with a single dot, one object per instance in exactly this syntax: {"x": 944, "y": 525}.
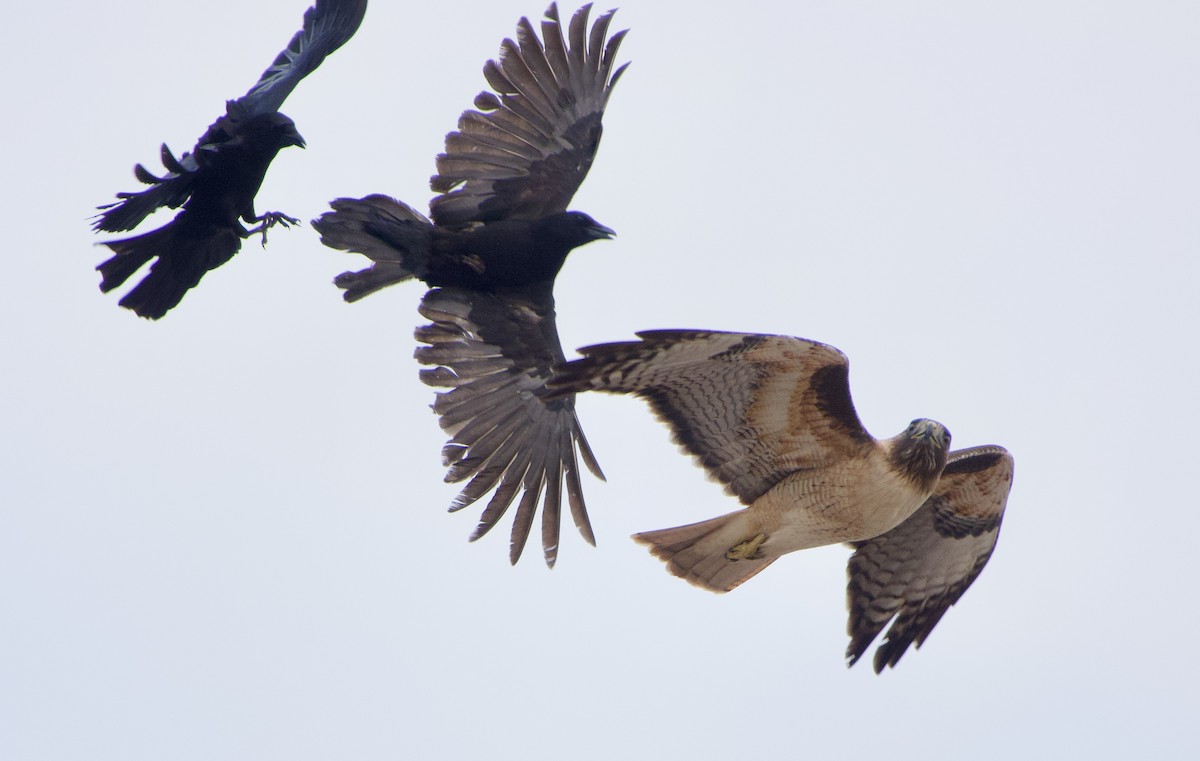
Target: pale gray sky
{"x": 223, "y": 536}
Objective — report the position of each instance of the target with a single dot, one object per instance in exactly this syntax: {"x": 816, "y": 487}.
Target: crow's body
{"x": 208, "y": 231}
{"x": 506, "y": 254}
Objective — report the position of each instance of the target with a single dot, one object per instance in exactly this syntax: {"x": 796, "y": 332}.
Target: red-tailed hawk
{"x": 217, "y": 181}
{"x": 498, "y": 233}
{"x": 771, "y": 418}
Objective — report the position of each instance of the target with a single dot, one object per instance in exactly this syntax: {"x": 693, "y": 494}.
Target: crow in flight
{"x": 216, "y": 182}
{"x": 498, "y": 234}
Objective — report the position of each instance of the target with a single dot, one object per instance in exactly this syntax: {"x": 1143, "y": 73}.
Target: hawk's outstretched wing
{"x": 494, "y": 351}
{"x": 916, "y": 571}
{"x": 524, "y": 153}
{"x": 751, "y": 408}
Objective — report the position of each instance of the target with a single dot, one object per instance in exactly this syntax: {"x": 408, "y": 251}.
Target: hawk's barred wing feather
{"x": 525, "y": 151}
{"x": 751, "y": 408}
{"x": 493, "y": 352}
{"x": 916, "y": 571}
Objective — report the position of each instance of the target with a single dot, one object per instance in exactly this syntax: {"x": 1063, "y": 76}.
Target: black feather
{"x": 217, "y": 181}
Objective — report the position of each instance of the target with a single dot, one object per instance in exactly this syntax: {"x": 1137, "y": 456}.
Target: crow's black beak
{"x": 599, "y": 232}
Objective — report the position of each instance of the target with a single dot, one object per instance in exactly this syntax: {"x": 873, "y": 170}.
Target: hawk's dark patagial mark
{"x": 498, "y": 232}
{"x": 771, "y": 418}
{"x": 216, "y": 182}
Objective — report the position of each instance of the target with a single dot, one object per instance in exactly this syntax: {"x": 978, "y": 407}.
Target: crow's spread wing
{"x": 916, "y": 571}
{"x": 328, "y": 24}
{"x": 751, "y": 408}
{"x": 170, "y": 190}
{"x": 493, "y": 352}
{"x": 524, "y": 153}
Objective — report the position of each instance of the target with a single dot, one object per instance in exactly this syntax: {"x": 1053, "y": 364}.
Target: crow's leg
{"x": 270, "y": 219}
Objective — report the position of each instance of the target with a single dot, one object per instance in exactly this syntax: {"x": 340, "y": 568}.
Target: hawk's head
{"x": 920, "y": 452}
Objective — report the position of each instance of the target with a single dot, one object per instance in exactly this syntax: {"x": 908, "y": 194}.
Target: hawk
{"x": 497, "y": 235}
{"x": 216, "y": 183}
{"x": 771, "y": 418}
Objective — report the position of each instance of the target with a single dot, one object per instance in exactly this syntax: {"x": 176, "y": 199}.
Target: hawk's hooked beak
{"x": 927, "y": 430}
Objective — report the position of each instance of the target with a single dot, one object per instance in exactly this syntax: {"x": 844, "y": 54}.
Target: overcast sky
{"x": 224, "y": 535}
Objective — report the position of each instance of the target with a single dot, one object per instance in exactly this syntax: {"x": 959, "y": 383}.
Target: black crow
{"x": 216, "y": 182}
{"x": 498, "y": 236}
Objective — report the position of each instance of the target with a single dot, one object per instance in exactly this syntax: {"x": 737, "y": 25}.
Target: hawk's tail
{"x": 717, "y": 554}
{"x": 392, "y": 234}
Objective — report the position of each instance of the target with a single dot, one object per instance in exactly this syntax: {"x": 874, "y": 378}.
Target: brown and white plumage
{"x": 497, "y": 234}
{"x": 916, "y": 571}
{"x": 771, "y": 418}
